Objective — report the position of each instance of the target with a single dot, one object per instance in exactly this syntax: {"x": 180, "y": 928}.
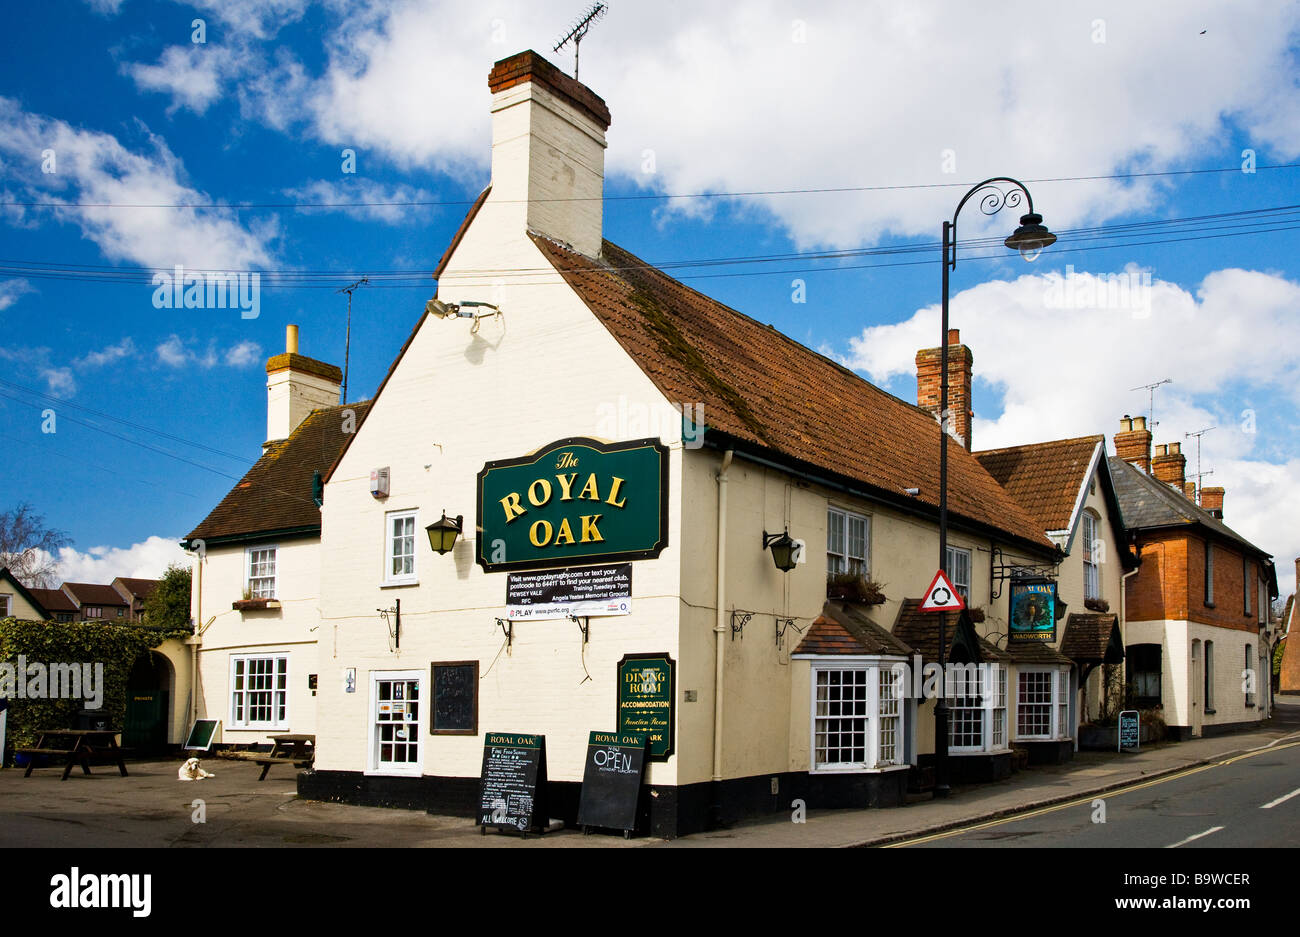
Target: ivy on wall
{"x": 116, "y": 646}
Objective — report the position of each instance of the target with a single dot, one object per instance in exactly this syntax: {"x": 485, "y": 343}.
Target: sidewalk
{"x": 1089, "y": 774}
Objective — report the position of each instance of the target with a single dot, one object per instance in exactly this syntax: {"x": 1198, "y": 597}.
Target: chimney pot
{"x": 291, "y": 339}
{"x": 1133, "y": 442}
{"x": 1139, "y": 422}
{"x": 954, "y": 336}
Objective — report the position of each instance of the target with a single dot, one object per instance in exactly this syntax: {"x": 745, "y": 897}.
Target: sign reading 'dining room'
{"x": 645, "y": 700}
{"x": 1033, "y": 611}
{"x": 558, "y": 593}
{"x": 575, "y": 500}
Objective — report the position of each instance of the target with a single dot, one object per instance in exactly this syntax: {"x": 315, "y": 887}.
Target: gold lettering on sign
{"x": 511, "y": 504}
{"x": 613, "y": 493}
{"x": 533, "y": 533}
{"x": 592, "y": 487}
{"x": 566, "y": 460}
{"x": 566, "y": 485}
{"x": 589, "y": 532}
{"x": 536, "y": 499}
{"x": 565, "y": 534}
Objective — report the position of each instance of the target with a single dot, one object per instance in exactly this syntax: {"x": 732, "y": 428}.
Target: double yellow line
{"x": 1088, "y": 799}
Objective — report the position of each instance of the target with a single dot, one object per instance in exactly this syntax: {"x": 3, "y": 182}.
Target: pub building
{"x": 587, "y": 498}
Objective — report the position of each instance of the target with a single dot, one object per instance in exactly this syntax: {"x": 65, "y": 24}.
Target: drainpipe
{"x": 1123, "y": 623}
{"x": 720, "y": 636}
{"x": 195, "y": 639}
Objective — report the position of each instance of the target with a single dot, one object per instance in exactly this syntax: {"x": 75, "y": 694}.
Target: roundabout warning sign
{"x": 942, "y": 595}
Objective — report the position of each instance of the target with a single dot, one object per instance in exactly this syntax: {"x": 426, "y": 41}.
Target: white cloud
{"x": 11, "y": 290}
{"x": 1062, "y": 364}
{"x": 363, "y": 193}
{"x": 113, "y": 353}
{"x": 94, "y": 167}
{"x": 173, "y": 352}
{"x": 192, "y": 74}
{"x": 244, "y": 353}
{"x": 59, "y": 380}
{"x": 148, "y": 559}
{"x": 728, "y": 99}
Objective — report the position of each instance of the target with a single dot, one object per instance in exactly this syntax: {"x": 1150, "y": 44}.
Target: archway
{"x": 149, "y": 687}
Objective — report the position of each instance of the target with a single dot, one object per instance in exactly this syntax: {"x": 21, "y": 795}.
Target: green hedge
{"x": 116, "y": 646}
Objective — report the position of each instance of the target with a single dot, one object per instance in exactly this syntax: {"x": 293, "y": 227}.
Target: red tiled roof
{"x": 276, "y": 493}
{"x": 761, "y": 387}
{"x": 1044, "y": 477}
{"x": 1088, "y": 637}
{"x": 844, "y": 629}
{"x": 920, "y": 630}
{"x": 139, "y": 588}
{"x": 90, "y": 593}
{"x": 54, "y": 600}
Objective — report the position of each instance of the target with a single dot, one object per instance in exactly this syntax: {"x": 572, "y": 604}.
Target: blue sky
{"x": 705, "y": 97}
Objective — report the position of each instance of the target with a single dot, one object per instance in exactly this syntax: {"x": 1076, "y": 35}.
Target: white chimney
{"x": 295, "y": 386}
{"x": 548, "y": 151}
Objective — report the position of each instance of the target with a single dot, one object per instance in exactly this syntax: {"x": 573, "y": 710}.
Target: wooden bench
{"x": 296, "y": 750}
{"x": 78, "y": 746}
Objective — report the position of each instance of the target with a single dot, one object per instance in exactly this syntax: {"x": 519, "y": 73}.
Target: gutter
{"x": 280, "y": 533}
{"x": 719, "y": 634}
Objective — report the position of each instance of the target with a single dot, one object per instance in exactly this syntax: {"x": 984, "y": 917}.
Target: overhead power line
{"x": 641, "y": 196}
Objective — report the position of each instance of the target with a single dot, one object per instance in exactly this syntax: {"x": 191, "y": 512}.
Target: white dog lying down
{"x": 190, "y": 771}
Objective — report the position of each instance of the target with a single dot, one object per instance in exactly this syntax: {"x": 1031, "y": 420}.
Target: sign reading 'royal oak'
{"x": 577, "y": 500}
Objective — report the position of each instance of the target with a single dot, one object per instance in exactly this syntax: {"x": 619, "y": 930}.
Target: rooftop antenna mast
{"x": 579, "y": 32}
{"x": 347, "y": 342}
{"x": 1151, "y": 410}
{"x": 1198, "y": 434}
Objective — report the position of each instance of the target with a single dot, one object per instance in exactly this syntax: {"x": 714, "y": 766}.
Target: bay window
{"x": 977, "y": 707}
{"x": 1042, "y": 703}
{"x": 858, "y": 715}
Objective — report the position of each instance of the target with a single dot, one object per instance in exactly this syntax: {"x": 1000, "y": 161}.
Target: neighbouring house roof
{"x": 1092, "y": 638}
{"x": 764, "y": 392}
{"x": 137, "y": 588}
{"x": 27, "y": 594}
{"x": 53, "y": 600}
{"x": 275, "y": 496}
{"x": 1147, "y": 503}
{"x": 843, "y": 629}
{"x": 93, "y": 593}
{"x": 920, "y": 631}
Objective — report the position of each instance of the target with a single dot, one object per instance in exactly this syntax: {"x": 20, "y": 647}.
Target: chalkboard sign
{"x": 611, "y": 781}
{"x": 512, "y": 787}
{"x": 1130, "y": 731}
{"x": 202, "y": 734}
{"x": 455, "y": 698}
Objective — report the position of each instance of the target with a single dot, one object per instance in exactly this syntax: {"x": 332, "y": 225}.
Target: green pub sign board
{"x": 646, "y": 688}
{"x": 1033, "y": 611}
{"x": 577, "y": 500}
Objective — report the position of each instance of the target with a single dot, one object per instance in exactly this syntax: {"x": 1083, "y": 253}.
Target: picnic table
{"x": 77, "y": 746}
{"x": 296, "y": 750}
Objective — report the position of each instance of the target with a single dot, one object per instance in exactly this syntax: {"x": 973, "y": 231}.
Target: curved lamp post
{"x": 1030, "y": 238}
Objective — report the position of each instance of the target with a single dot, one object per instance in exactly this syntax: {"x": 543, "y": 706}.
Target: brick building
{"x": 1197, "y": 608}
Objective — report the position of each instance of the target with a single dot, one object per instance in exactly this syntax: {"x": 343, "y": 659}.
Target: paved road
{"x": 1251, "y": 800}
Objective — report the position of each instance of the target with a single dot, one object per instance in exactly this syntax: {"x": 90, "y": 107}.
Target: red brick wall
{"x": 1171, "y": 583}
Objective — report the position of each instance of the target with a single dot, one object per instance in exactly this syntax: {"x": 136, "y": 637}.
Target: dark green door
{"x": 146, "y": 720}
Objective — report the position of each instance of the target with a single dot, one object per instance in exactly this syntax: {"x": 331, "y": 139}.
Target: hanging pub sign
{"x": 559, "y": 593}
{"x": 646, "y": 684}
{"x": 512, "y": 786}
{"x": 577, "y": 500}
{"x": 1033, "y": 611}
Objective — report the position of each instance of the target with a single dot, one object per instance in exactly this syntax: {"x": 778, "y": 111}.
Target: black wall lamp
{"x": 783, "y": 549}
{"x": 443, "y": 533}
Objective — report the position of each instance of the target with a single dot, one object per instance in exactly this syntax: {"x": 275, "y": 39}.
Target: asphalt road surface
{"x": 1247, "y": 801}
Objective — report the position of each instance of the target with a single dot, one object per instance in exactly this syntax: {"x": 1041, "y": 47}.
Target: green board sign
{"x": 1033, "y": 611}
{"x": 577, "y": 500}
{"x": 646, "y": 688}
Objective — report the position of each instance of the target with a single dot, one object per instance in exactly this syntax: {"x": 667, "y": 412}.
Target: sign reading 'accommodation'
{"x": 577, "y": 500}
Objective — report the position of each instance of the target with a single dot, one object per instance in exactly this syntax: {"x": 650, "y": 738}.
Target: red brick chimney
{"x": 928, "y": 374}
{"x": 1169, "y": 464}
{"x": 1212, "y": 501}
{"x": 1189, "y": 489}
{"x": 1133, "y": 442}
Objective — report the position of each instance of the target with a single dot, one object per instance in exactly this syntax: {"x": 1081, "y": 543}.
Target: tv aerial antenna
{"x": 1199, "y": 473}
{"x": 347, "y": 342}
{"x": 578, "y": 32}
{"x": 1151, "y": 409}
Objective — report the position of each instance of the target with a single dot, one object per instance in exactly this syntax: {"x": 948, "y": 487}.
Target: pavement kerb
{"x": 1004, "y": 812}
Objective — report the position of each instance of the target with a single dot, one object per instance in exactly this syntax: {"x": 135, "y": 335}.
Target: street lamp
{"x": 1030, "y": 238}
{"x": 443, "y": 532}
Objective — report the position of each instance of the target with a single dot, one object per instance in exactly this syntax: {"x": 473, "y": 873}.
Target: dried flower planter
{"x": 854, "y": 589}
{"x": 1096, "y": 605}
{"x": 976, "y": 614}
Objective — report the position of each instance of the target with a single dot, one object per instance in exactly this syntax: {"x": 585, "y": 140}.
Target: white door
{"x": 396, "y": 710}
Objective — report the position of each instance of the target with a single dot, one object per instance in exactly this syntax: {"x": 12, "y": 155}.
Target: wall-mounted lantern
{"x": 443, "y": 533}
{"x": 783, "y": 549}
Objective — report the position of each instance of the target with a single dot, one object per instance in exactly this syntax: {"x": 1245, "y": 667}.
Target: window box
{"x": 848, "y": 587}
{"x": 1096, "y": 605}
{"x": 976, "y": 614}
{"x": 254, "y": 605}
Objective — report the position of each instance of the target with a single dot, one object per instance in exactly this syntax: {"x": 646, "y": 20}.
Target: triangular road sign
{"x": 942, "y": 596}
